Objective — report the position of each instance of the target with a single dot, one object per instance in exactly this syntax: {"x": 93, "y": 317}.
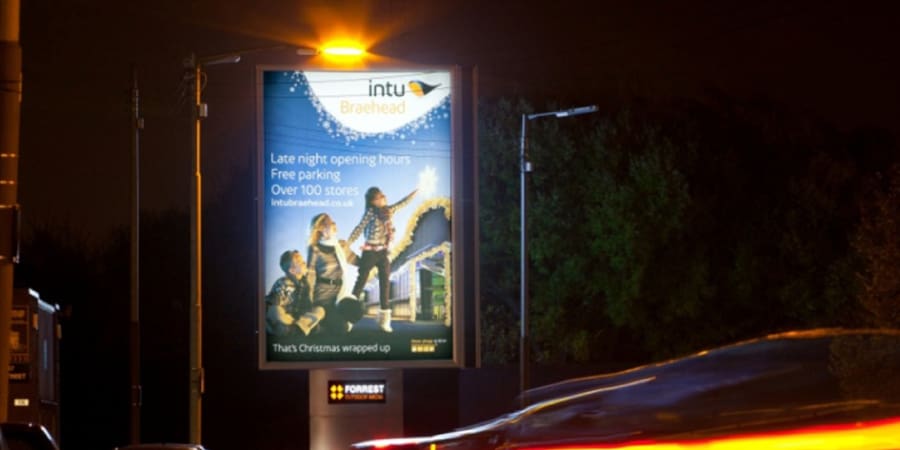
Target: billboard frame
{"x": 458, "y": 249}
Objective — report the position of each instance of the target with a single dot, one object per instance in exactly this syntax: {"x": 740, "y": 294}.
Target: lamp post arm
{"x": 565, "y": 112}
{"x": 235, "y": 56}
{"x": 543, "y": 114}
{"x": 577, "y": 111}
{"x": 194, "y": 62}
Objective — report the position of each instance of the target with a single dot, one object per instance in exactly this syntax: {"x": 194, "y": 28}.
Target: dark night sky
{"x": 832, "y": 59}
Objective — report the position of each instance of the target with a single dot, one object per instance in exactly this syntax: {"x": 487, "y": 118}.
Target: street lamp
{"x": 196, "y": 64}
{"x": 525, "y": 168}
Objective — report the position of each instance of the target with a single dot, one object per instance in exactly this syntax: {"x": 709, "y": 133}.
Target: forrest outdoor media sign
{"x": 366, "y": 391}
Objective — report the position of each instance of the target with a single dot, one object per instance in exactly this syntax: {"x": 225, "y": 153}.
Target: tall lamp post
{"x": 195, "y": 65}
{"x": 525, "y": 168}
{"x": 137, "y": 124}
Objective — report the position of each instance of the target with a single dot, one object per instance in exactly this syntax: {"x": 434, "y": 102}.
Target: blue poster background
{"x": 314, "y": 162}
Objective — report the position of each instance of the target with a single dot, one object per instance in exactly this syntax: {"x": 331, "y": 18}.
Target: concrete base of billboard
{"x": 353, "y": 405}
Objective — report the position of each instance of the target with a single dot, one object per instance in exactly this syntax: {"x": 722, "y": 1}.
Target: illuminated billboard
{"x": 356, "y": 188}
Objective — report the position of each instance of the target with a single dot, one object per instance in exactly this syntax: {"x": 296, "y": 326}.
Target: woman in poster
{"x": 327, "y": 257}
{"x": 378, "y": 230}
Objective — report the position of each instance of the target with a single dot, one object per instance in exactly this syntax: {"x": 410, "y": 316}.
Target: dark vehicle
{"x": 25, "y": 436}
{"x": 35, "y": 339}
{"x": 816, "y": 389}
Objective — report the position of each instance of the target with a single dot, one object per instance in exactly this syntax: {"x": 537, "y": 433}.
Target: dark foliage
{"x": 666, "y": 228}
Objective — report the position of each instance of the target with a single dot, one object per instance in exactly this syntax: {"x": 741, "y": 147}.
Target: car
{"x": 25, "y": 436}
{"x": 808, "y": 389}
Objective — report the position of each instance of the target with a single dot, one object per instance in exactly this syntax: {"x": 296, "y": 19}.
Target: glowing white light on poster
{"x": 356, "y": 212}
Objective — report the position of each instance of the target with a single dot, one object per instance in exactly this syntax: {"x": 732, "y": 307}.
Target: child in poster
{"x": 378, "y": 230}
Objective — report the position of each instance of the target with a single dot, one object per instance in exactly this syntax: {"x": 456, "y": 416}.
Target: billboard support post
{"x": 348, "y": 406}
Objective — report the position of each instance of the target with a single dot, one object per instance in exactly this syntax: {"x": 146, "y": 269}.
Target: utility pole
{"x": 137, "y": 124}
{"x": 196, "y": 309}
{"x": 10, "y": 119}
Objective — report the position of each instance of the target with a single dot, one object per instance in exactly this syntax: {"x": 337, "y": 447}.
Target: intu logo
{"x": 386, "y": 89}
{"x": 389, "y": 89}
{"x": 421, "y": 88}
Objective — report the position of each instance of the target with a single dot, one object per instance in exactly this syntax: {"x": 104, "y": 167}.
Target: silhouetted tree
{"x": 878, "y": 244}
{"x": 666, "y": 228}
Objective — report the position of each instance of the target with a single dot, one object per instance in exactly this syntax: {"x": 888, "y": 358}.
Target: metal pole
{"x": 525, "y": 168}
{"x": 197, "y": 374}
{"x": 196, "y": 331}
{"x": 137, "y": 125}
{"x": 524, "y": 354}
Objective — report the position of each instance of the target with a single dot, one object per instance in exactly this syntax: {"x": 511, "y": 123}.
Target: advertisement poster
{"x": 355, "y": 208}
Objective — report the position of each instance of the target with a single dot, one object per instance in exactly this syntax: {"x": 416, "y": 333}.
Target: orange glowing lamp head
{"x": 343, "y": 54}
{"x": 343, "y": 50}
